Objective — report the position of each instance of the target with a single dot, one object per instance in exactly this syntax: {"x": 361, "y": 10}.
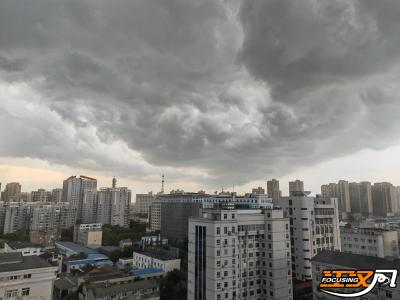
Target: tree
{"x": 128, "y": 251}
{"x": 67, "y": 234}
{"x": 115, "y": 255}
{"x": 19, "y": 235}
{"x": 173, "y": 286}
{"x": 113, "y": 234}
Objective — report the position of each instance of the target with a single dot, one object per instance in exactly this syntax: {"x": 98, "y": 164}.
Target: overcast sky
{"x": 209, "y": 92}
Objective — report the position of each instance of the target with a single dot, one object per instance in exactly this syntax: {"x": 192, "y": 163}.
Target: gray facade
{"x": 175, "y": 220}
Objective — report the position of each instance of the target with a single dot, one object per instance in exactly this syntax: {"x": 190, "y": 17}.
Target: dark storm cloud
{"x": 305, "y": 44}
{"x": 187, "y": 84}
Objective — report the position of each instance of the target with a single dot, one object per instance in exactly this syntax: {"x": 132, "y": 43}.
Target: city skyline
{"x": 284, "y": 186}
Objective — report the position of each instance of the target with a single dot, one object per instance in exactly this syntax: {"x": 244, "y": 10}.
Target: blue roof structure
{"x": 76, "y": 247}
{"x": 147, "y": 271}
{"x": 88, "y": 261}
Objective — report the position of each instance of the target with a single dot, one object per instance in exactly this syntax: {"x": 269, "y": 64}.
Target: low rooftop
{"x": 161, "y": 255}
{"x": 355, "y": 261}
{"x": 146, "y": 271}
{"x": 101, "y": 290}
{"x": 22, "y": 244}
{"x": 66, "y": 282}
{"x": 15, "y": 262}
{"x": 91, "y": 259}
{"x": 76, "y": 247}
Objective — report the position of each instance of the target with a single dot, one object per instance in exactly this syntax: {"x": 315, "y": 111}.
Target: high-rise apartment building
{"x": 273, "y": 190}
{"x": 103, "y": 215}
{"x": 73, "y": 192}
{"x": 44, "y": 220}
{"x": 113, "y": 206}
{"x": 361, "y": 198}
{"x": 16, "y": 216}
{"x": 143, "y": 202}
{"x": 239, "y": 254}
{"x": 89, "y": 206}
{"x": 314, "y": 226}
{"x": 12, "y": 192}
{"x": 41, "y": 195}
{"x": 384, "y": 199}
{"x": 56, "y": 195}
{"x": 25, "y": 197}
{"x": 120, "y": 206}
{"x": 341, "y": 191}
{"x": 296, "y": 186}
{"x": 47, "y": 222}
{"x": 344, "y": 196}
{"x": 155, "y": 216}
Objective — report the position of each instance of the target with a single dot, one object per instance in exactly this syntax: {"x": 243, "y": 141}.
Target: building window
{"x": 27, "y": 275}
{"x": 11, "y": 294}
{"x": 25, "y": 291}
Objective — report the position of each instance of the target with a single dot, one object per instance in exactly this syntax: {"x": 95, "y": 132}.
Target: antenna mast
{"x": 162, "y": 184}
{"x": 114, "y": 182}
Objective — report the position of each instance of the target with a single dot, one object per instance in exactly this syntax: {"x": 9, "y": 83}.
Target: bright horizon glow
{"x": 367, "y": 165}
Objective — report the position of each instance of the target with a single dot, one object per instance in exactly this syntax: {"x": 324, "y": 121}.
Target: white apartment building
{"x": 45, "y": 217}
{"x": 143, "y": 202}
{"x": 370, "y": 241}
{"x": 158, "y": 260}
{"x": 103, "y": 207}
{"x": 47, "y": 222}
{"x": 113, "y": 206}
{"x": 239, "y": 254}
{"x": 314, "y": 226}
{"x": 25, "y": 277}
{"x": 73, "y": 191}
{"x": 14, "y": 216}
{"x": 155, "y": 216}
{"x": 120, "y": 204}
{"x": 89, "y": 206}
{"x": 43, "y": 220}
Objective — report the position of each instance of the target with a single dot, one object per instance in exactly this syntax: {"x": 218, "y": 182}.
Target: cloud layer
{"x": 211, "y": 91}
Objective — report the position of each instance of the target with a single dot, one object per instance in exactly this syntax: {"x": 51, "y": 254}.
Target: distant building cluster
{"x": 359, "y": 199}
{"x": 44, "y": 214}
{"x": 260, "y": 245}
